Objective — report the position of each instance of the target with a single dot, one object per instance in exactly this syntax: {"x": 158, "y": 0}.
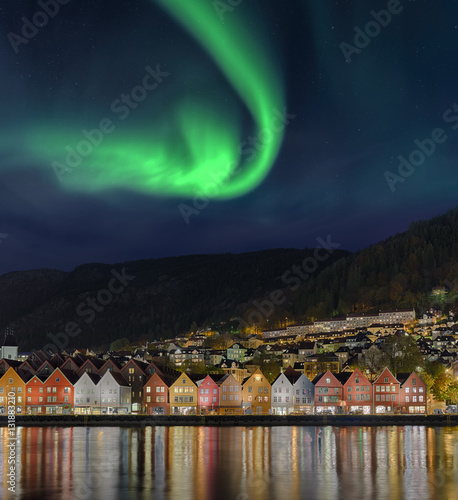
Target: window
{"x": 10, "y": 381}
{"x": 57, "y": 379}
{"x": 386, "y": 380}
{"x": 48, "y": 389}
{"x": 349, "y": 397}
{"x": 40, "y": 399}
{"x": 357, "y": 380}
{"x": 54, "y": 389}
{"x": 29, "y": 399}
{"x": 407, "y": 399}
{"x": 148, "y": 389}
{"x": 224, "y": 397}
{"x": 407, "y": 390}
{"x": 1, "y": 390}
{"x": 414, "y": 381}
{"x": 349, "y": 389}
{"x": 328, "y": 380}
{"x": 377, "y": 388}
{"x": 250, "y": 389}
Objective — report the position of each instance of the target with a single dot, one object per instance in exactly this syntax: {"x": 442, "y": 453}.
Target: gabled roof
{"x": 292, "y": 375}
{"x": 383, "y": 372}
{"x": 95, "y": 379}
{"x": 142, "y": 366}
{"x": 404, "y": 377}
{"x": 119, "y": 379}
{"x": 168, "y": 381}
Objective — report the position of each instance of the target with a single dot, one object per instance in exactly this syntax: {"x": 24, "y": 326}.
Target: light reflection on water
{"x": 237, "y": 463}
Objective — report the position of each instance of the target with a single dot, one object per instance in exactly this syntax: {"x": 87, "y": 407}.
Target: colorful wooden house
{"x": 135, "y": 373}
{"x": 156, "y": 394}
{"x": 282, "y": 395}
{"x": 230, "y": 395}
{"x": 357, "y": 392}
{"x": 87, "y": 394}
{"x": 412, "y": 393}
{"x": 183, "y": 396}
{"x": 12, "y": 392}
{"x": 328, "y": 393}
{"x": 35, "y": 395}
{"x": 59, "y": 392}
{"x": 208, "y": 394}
{"x": 256, "y": 393}
{"x": 386, "y": 393}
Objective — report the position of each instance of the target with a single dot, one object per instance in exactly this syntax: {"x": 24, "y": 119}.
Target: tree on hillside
{"x": 400, "y": 353}
{"x": 120, "y": 345}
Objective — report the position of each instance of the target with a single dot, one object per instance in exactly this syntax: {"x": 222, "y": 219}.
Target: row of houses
{"x": 357, "y": 320}
{"x": 63, "y": 391}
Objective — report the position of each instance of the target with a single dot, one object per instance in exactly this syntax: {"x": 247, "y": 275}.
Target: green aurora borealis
{"x": 195, "y": 145}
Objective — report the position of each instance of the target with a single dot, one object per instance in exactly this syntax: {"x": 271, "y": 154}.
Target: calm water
{"x": 234, "y": 463}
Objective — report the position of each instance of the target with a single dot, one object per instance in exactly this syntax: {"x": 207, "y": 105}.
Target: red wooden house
{"x": 412, "y": 393}
{"x": 386, "y": 393}
{"x": 357, "y": 392}
{"x": 35, "y": 395}
{"x": 58, "y": 391}
{"x": 328, "y": 393}
{"x": 208, "y": 394}
{"x": 156, "y": 395}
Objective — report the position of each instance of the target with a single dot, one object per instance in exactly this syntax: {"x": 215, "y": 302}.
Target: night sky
{"x": 148, "y": 128}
